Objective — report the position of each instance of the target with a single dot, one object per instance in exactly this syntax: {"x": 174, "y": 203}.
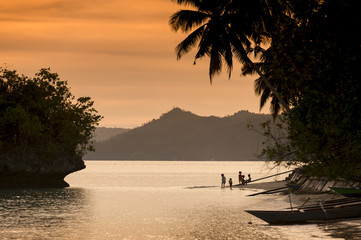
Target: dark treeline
{"x": 310, "y": 70}
{"x": 45, "y": 130}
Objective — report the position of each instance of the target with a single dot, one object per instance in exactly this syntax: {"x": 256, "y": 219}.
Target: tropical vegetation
{"x": 307, "y": 55}
{"x": 41, "y": 121}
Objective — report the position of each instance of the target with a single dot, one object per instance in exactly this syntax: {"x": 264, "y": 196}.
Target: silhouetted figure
{"x": 243, "y": 181}
{"x": 249, "y": 178}
{"x": 239, "y": 177}
{"x": 223, "y": 184}
{"x": 230, "y": 183}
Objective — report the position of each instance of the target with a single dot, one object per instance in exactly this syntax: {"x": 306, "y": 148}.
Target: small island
{"x": 45, "y": 131}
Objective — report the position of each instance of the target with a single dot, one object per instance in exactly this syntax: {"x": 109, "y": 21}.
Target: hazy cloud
{"x": 96, "y": 10}
{"x": 119, "y": 52}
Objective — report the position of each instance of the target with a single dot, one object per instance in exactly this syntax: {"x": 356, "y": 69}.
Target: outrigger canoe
{"x": 348, "y": 192}
{"x": 314, "y": 213}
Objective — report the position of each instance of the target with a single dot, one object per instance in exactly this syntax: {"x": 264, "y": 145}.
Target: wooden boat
{"x": 348, "y": 192}
{"x": 335, "y": 203}
{"x": 309, "y": 215}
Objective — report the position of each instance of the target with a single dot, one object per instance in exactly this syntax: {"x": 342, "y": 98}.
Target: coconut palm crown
{"x": 225, "y": 29}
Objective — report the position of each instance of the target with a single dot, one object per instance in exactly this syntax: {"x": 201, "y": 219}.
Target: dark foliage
{"x": 316, "y": 61}
{"x": 40, "y": 120}
{"x": 312, "y": 65}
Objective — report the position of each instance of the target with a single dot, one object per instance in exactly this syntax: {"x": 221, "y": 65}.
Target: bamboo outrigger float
{"x": 323, "y": 211}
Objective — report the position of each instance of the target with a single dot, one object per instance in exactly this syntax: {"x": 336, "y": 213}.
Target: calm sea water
{"x": 146, "y": 200}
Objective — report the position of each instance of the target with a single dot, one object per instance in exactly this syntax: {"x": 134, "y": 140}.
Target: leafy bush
{"x": 41, "y": 120}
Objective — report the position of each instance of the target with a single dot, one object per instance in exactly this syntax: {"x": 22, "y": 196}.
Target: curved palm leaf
{"x": 211, "y": 35}
{"x": 189, "y": 42}
{"x": 187, "y": 19}
{"x": 265, "y": 94}
{"x": 229, "y": 28}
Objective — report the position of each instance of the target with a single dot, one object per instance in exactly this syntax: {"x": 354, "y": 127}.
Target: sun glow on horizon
{"x": 121, "y": 54}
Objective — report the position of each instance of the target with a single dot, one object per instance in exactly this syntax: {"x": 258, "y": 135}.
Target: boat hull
{"x": 289, "y": 217}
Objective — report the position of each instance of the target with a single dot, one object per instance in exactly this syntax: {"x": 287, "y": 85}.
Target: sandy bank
{"x": 263, "y": 185}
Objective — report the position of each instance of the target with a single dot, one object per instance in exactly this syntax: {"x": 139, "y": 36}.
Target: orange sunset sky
{"x": 121, "y": 54}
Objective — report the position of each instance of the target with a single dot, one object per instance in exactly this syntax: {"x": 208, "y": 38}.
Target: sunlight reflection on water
{"x": 43, "y": 213}
{"x": 142, "y": 200}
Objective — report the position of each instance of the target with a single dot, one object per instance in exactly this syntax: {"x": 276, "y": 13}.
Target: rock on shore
{"x": 36, "y": 173}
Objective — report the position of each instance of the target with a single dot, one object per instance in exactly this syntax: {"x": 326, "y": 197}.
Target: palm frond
{"x": 239, "y": 52}
{"x": 248, "y": 69}
{"x": 215, "y": 65}
{"x": 187, "y": 19}
{"x": 275, "y": 107}
{"x": 258, "y": 86}
{"x": 204, "y": 45}
{"x": 266, "y": 94}
{"x": 189, "y": 42}
{"x": 228, "y": 57}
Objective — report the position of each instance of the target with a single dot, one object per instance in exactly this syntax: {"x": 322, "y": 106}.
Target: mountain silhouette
{"x": 182, "y": 135}
{"x": 103, "y": 133}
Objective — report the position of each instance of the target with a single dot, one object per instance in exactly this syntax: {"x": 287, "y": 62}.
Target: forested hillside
{"x": 182, "y": 135}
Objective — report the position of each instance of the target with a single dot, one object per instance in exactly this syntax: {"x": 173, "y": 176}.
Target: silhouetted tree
{"x": 227, "y": 29}
{"x": 312, "y": 61}
{"x": 41, "y": 120}
{"x": 318, "y": 60}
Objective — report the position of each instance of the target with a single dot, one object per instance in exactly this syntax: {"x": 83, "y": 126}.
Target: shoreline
{"x": 263, "y": 185}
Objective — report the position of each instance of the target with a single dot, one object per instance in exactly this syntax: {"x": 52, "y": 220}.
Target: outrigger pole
{"x": 270, "y": 176}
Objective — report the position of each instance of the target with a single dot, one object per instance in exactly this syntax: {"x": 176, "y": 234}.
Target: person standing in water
{"x": 223, "y": 184}
{"x": 239, "y": 177}
{"x": 249, "y": 178}
{"x": 230, "y": 183}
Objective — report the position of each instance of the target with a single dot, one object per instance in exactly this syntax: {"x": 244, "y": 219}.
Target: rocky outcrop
{"x": 36, "y": 173}
{"x": 309, "y": 184}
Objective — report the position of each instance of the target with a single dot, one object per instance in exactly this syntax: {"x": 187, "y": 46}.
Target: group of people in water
{"x": 241, "y": 180}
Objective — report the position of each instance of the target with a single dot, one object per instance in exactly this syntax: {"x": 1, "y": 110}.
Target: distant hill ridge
{"x": 103, "y": 133}
{"x": 182, "y": 135}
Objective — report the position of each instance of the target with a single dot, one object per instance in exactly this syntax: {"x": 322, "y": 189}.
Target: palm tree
{"x": 225, "y": 29}
{"x": 214, "y": 42}
{"x": 260, "y": 87}
{"x": 264, "y": 92}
